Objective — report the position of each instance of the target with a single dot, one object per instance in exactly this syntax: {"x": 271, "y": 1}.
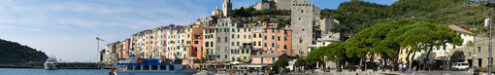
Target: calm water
{"x": 34, "y": 71}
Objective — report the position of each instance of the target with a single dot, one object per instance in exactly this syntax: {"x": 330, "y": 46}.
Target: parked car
{"x": 317, "y": 70}
{"x": 460, "y": 66}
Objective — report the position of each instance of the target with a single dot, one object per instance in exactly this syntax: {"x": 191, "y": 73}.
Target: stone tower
{"x": 227, "y": 8}
{"x": 303, "y": 16}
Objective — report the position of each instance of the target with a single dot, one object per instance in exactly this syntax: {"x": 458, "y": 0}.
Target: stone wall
{"x": 302, "y": 21}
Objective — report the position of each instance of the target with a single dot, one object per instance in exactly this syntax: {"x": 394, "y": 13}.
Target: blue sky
{"x": 67, "y": 29}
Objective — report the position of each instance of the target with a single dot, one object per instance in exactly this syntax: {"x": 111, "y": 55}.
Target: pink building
{"x": 267, "y": 58}
{"x": 197, "y": 38}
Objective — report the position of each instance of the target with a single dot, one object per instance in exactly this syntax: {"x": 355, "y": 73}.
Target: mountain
{"x": 15, "y": 53}
{"x": 356, "y": 15}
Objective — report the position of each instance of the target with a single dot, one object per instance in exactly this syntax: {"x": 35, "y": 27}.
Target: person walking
{"x": 400, "y": 67}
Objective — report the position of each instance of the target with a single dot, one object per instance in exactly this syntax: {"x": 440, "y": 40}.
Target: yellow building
{"x": 209, "y": 42}
{"x": 171, "y": 43}
{"x": 241, "y": 43}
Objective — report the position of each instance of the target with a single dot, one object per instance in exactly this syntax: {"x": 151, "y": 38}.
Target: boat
{"x": 50, "y": 64}
{"x": 152, "y": 67}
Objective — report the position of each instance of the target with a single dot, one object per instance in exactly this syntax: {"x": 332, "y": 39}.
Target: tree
{"x": 300, "y": 62}
{"x": 426, "y": 36}
{"x": 458, "y": 56}
{"x": 281, "y": 63}
{"x": 376, "y": 40}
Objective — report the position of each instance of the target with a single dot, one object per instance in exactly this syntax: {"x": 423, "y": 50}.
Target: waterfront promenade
{"x": 345, "y": 72}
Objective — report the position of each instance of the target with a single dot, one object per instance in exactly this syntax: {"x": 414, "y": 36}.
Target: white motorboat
{"x": 50, "y": 64}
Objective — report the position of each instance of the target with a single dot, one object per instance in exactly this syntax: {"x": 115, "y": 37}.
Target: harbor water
{"x": 38, "y": 71}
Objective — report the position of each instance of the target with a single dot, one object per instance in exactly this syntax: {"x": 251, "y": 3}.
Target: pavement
{"x": 345, "y": 72}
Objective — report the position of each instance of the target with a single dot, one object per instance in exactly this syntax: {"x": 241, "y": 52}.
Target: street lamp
{"x": 491, "y": 4}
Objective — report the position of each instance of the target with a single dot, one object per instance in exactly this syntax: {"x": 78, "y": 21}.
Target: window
{"x": 244, "y": 36}
{"x": 207, "y": 51}
{"x": 273, "y": 44}
{"x": 244, "y": 57}
{"x": 218, "y": 39}
{"x": 242, "y": 51}
{"x": 238, "y": 36}
{"x": 232, "y": 43}
{"x": 265, "y": 45}
{"x": 254, "y": 35}
{"x": 278, "y": 38}
{"x": 233, "y": 29}
{"x": 245, "y": 30}
{"x": 479, "y": 49}
{"x": 233, "y": 59}
{"x": 207, "y": 44}
{"x": 226, "y": 39}
{"x": 273, "y": 37}
{"x": 237, "y": 43}
{"x": 225, "y": 56}
{"x": 300, "y": 40}
{"x": 211, "y": 45}
{"x": 265, "y": 37}
{"x": 266, "y": 30}
{"x": 259, "y": 43}
{"x": 171, "y": 67}
{"x": 285, "y": 38}
{"x": 254, "y": 43}
{"x": 259, "y": 35}
{"x": 233, "y": 36}
{"x": 407, "y": 50}
{"x": 285, "y": 46}
{"x": 247, "y": 51}
{"x": 285, "y": 32}
{"x": 249, "y": 36}
{"x": 302, "y": 11}
{"x": 249, "y": 29}
{"x": 231, "y": 51}
{"x": 273, "y": 31}
{"x": 400, "y": 51}
{"x": 196, "y": 42}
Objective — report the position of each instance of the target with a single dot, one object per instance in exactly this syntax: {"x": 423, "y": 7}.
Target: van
{"x": 460, "y": 66}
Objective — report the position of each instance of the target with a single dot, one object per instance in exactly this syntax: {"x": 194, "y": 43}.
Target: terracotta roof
{"x": 460, "y": 30}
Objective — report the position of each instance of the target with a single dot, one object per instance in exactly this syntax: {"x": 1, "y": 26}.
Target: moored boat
{"x": 50, "y": 64}
{"x": 152, "y": 67}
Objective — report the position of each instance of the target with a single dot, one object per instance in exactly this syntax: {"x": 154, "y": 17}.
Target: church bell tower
{"x": 227, "y": 8}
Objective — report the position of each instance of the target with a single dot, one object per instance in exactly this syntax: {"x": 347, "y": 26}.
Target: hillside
{"x": 15, "y": 53}
{"x": 357, "y": 15}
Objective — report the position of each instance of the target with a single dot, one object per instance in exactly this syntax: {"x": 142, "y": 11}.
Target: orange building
{"x": 148, "y": 43}
{"x": 126, "y": 47}
{"x": 276, "y": 39}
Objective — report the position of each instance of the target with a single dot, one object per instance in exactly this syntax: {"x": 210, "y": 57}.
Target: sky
{"x": 66, "y": 29}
